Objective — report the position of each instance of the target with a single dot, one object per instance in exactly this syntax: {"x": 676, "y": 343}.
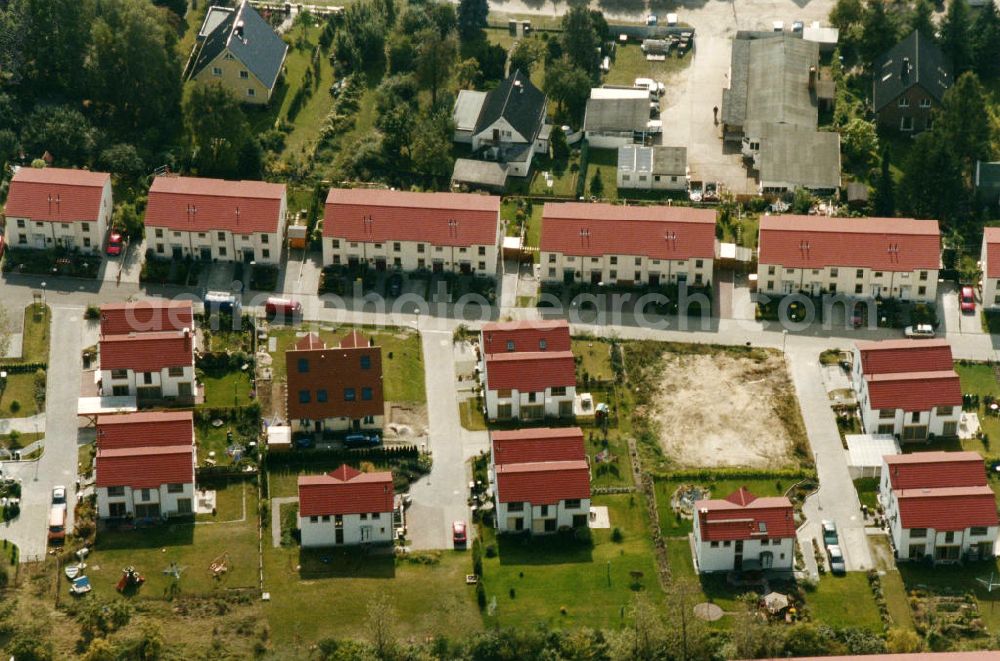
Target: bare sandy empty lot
{"x": 724, "y": 409}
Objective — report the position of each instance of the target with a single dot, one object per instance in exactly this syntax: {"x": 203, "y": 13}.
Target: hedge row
{"x": 375, "y": 455}
{"x": 736, "y": 474}
{"x": 23, "y": 368}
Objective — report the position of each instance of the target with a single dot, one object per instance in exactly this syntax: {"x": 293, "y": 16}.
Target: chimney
{"x": 239, "y": 29}
{"x": 904, "y": 72}
{"x": 812, "y": 79}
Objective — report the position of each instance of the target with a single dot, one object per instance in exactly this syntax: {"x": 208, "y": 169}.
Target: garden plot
{"x": 726, "y": 409}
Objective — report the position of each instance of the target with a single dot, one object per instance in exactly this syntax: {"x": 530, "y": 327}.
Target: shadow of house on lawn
{"x": 561, "y": 548}
{"x": 373, "y": 562}
{"x": 128, "y": 535}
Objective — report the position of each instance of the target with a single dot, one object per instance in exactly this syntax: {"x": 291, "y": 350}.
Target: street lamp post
{"x": 784, "y": 338}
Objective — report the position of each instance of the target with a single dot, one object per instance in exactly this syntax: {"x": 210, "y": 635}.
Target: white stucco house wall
{"x": 989, "y": 262}
{"x": 346, "y": 507}
{"x": 744, "y": 532}
{"x": 155, "y": 366}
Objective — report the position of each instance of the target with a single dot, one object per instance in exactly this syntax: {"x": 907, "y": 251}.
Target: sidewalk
{"x": 32, "y": 425}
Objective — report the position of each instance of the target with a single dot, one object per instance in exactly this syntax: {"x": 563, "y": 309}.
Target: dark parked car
{"x": 362, "y": 440}
{"x": 304, "y": 441}
{"x": 395, "y": 285}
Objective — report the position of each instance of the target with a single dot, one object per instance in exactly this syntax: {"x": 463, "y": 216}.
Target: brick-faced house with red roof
{"x": 215, "y": 219}
{"x": 149, "y": 366}
{"x": 145, "y": 465}
{"x": 908, "y": 388}
{"x": 334, "y": 388}
{"x": 654, "y": 245}
{"x": 386, "y": 229}
{"x": 55, "y": 207}
{"x": 346, "y": 506}
{"x": 528, "y": 370}
{"x": 541, "y": 479}
{"x": 939, "y": 505}
{"x": 744, "y": 532}
{"x": 855, "y": 257}
{"x": 989, "y": 261}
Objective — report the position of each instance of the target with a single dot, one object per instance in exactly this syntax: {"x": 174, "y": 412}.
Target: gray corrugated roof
{"x": 483, "y": 173}
{"x": 260, "y": 50}
{"x": 924, "y": 63}
{"x": 616, "y": 115}
{"x": 769, "y": 80}
{"x": 468, "y": 105}
{"x": 799, "y": 156}
{"x": 633, "y": 158}
{"x": 517, "y": 101}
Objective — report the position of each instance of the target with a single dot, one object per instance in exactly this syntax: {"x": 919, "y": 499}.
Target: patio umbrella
{"x": 775, "y": 602}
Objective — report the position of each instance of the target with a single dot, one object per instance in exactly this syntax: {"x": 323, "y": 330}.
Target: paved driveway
{"x": 58, "y": 464}
{"x": 441, "y": 497}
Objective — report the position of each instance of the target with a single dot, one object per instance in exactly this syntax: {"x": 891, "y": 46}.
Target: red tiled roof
{"x": 193, "y": 204}
{"x": 893, "y": 356}
{"x": 333, "y": 370}
{"x": 740, "y": 515}
{"x": 658, "y": 232}
{"x": 56, "y": 194}
{"x": 309, "y": 342}
{"x": 543, "y": 482}
{"x": 936, "y": 469}
{"x": 947, "y": 509}
{"x": 148, "y": 315}
{"x": 540, "y": 444}
{"x": 442, "y": 219}
{"x": 345, "y": 491}
{"x": 354, "y": 340}
{"x": 147, "y": 352}
{"x": 526, "y": 336}
{"x": 991, "y": 237}
{"x": 884, "y": 244}
{"x": 914, "y": 391}
{"x": 145, "y": 468}
{"x": 530, "y": 371}
{"x": 147, "y": 429}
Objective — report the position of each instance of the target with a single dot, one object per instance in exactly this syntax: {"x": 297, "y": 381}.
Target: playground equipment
{"x": 130, "y": 580}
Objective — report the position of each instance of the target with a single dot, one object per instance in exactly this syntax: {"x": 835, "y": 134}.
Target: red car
{"x": 458, "y": 533}
{"x": 115, "y": 243}
{"x": 967, "y": 300}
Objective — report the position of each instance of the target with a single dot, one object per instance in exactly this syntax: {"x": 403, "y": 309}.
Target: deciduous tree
{"x": 216, "y": 130}
{"x": 472, "y": 15}
{"x": 579, "y": 39}
{"x": 435, "y": 60}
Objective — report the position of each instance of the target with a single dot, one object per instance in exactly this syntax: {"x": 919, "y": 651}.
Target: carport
{"x": 91, "y": 407}
{"x": 865, "y": 452}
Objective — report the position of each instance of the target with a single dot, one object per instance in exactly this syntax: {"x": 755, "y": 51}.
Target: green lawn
{"x": 592, "y": 584}
{"x": 978, "y": 378}
{"x": 472, "y": 416}
{"x": 844, "y": 601}
{"x": 604, "y": 161}
{"x": 337, "y": 585}
{"x": 22, "y": 440}
{"x": 35, "y": 344}
{"x": 616, "y": 469}
{"x": 741, "y": 231}
{"x": 595, "y": 359}
{"x": 672, "y": 526}
{"x": 957, "y": 580}
{"x": 225, "y": 389}
{"x": 680, "y": 560}
{"x": 192, "y": 547}
{"x": 630, "y": 63}
{"x": 533, "y": 218}
{"x": 214, "y": 439}
{"x": 21, "y": 389}
{"x": 231, "y": 502}
{"x": 867, "y": 491}
{"x": 402, "y": 356}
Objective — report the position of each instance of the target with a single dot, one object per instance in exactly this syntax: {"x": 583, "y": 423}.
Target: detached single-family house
{"x": 237, "y": 49}
{"x": 346, "y": 506}
{"x": 605, "y": 243}
{"x": 856, "y": 257}
{"x": 528, "y": 370}
{"x": 908, "y": 388}
{"x": 938, "y": 505}
{"x": 149, "y": 366}
{"x": 618, "y": 116}
{"x": 505, "y": 125}
{"x": 909, "y": 83}
{"x": 335, "y": 388}
{"x": 55, "y": 207}
{"x": 541, "y": 479}
{"x": 743, "y": 532}
{"x": 215, "y": 219}
{"x": 145, "y": 465}
{"x": 146, "y": 315}
{"x": 652, "y": 168}
{"x": 383, "y": 229}
{"x": 990, "y": 263}
{"x": 987, "y": 183}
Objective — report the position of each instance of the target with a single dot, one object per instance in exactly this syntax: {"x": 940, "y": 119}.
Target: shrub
{"x": 92, "y": 312}
{"x": 491, "y": 551}
{"x": 616, "y": 536}
{"x": 15, "y": 406}
{"x": 481, "y": 596}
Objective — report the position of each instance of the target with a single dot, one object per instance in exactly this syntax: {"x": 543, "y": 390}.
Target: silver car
{"x": 837, "y": 565}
